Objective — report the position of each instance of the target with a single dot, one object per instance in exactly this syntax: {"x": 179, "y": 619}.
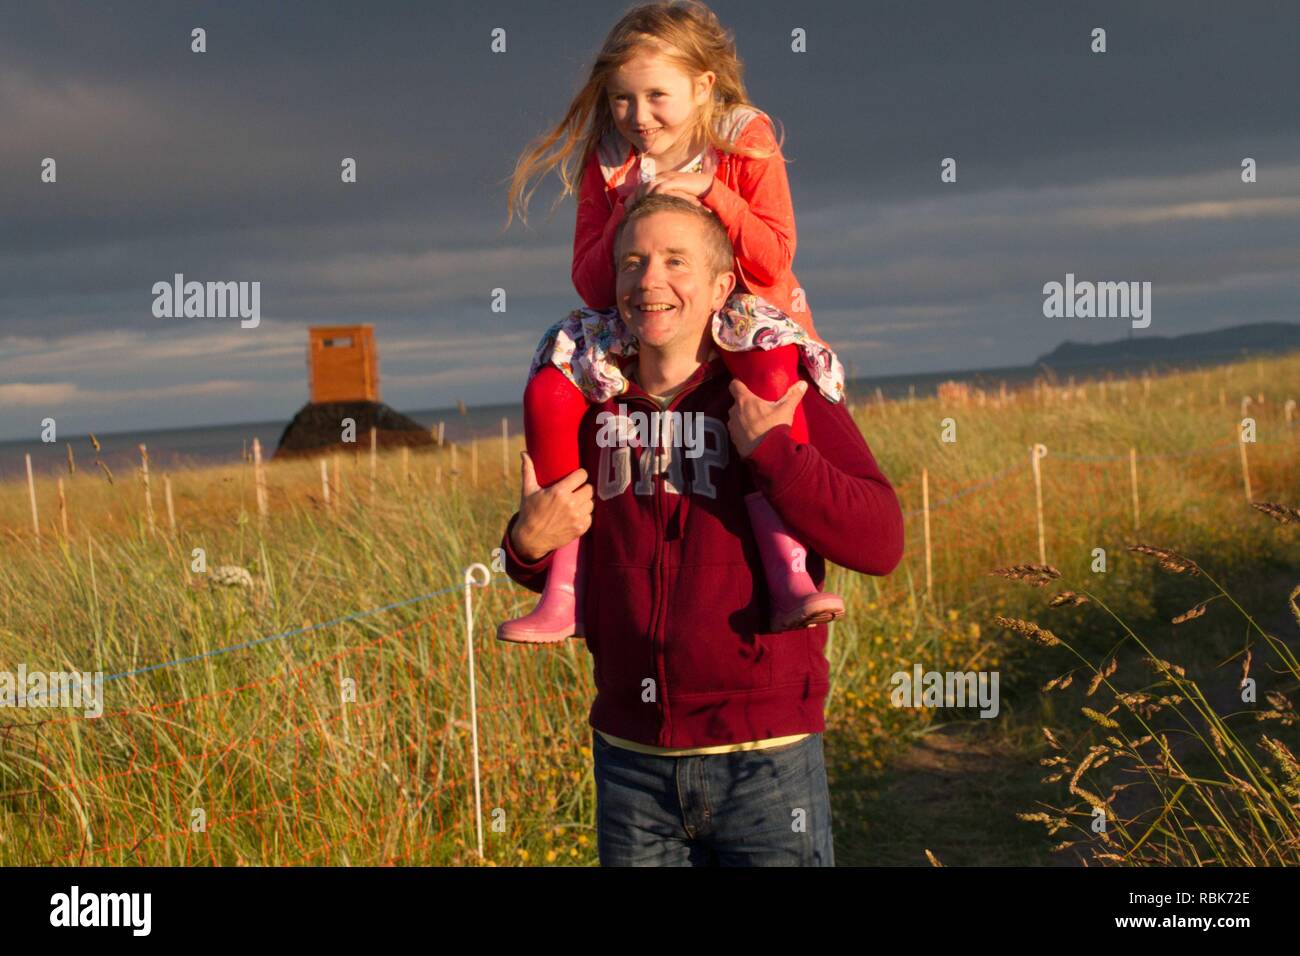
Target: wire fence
{"x": 290, "y": 769}
{"x": 303, "y": 776}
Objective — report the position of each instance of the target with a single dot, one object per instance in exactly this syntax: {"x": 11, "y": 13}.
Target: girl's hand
{"x": 646, "y": 189}
{"x": 690, "y": 185}
{"x": 550, "y": 517}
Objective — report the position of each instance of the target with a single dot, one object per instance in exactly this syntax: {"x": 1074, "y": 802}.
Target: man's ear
{"x": 723, "y": 284}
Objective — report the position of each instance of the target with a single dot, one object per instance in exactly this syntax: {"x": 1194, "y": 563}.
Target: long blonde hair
{"x": 686, "y": 32}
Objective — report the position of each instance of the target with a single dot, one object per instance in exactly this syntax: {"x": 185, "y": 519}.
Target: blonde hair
{"x": 684, "y": 31}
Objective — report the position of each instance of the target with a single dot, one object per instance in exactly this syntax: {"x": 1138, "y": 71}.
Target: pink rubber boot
{"x": 553, "y": 620}
{"x": 796, "y": 602}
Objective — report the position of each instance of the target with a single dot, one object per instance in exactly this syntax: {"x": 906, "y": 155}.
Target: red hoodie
{"x": 751, "y": 197}
{"x": 676, "y": 601}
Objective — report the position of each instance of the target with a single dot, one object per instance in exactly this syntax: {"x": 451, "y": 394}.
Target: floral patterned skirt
{"x": 589, "y": 346}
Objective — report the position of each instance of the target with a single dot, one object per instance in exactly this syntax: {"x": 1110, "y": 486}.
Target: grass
{"x": 1222, "y": 785}
{"x": 347, "y": 738}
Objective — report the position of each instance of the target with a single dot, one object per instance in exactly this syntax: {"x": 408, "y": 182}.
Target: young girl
{"x": 665, "y": 110}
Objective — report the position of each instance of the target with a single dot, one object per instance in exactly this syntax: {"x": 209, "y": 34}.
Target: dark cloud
{"x": 225, "y": 166}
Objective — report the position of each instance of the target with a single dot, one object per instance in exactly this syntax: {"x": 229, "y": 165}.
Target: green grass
{"x": 287, "y": 771}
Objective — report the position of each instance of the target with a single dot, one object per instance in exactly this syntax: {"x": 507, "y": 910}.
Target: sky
{"x": 225, "y": 166}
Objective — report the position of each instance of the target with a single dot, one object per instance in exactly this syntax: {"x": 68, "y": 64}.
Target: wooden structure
{"x": 343, "y": 364}
{"x": 343, "y": 369}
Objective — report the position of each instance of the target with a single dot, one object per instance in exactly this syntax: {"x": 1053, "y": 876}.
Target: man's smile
{"x": 653, "y": 318}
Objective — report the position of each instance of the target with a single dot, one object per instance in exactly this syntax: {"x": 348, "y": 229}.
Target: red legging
{"x": 553, "y": 406}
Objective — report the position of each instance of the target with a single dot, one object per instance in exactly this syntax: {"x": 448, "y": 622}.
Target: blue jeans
{"x": 749, "y": 808}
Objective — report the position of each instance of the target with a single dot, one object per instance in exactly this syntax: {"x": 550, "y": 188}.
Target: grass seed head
{"x": 1036, "y": 574}
{"x": 1067, "y": 599}
{"x": 1280, "y": 513}
{"x": 1194, "y": 613}
{"x": 1165, "y": 666}
{"x": 1098, "y": 718}
{"x": 1029, "y": 629}
{"x": 1170, "y": 561}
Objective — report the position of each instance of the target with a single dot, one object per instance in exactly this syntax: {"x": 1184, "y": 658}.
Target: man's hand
{"x": 550, "y": 518}
{"x": 752, "y": 417}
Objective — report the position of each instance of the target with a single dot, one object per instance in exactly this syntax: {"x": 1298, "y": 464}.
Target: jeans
{"x": 749, "y": 808}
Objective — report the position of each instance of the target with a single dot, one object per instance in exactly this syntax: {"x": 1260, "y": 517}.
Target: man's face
{"x": 665, "y": 288}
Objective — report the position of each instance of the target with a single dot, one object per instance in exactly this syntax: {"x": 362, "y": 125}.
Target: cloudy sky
{"x": 225, "y": 166}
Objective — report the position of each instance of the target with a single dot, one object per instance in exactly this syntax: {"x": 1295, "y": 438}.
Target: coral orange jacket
{"x": 750, "y": 196}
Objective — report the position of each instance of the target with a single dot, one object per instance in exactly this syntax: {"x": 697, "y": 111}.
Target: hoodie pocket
{"x": 710, "y": 647}
{"x": 792, "y": 656}
{"x": 622, "y": 647}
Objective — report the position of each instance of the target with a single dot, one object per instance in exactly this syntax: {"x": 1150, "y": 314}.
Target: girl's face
{"x": 654, "y": 101}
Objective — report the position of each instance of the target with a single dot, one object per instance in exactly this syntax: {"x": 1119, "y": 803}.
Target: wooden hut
{"x": 343, "y": 377}
{"x": 343, "y": 364}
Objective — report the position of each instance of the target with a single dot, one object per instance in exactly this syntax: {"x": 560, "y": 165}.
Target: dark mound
{"x": 318, "y": 428}
{"x": 1256, "y": 339}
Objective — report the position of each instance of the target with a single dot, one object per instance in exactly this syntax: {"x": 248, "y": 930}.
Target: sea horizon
{"x": 199, "y": 446}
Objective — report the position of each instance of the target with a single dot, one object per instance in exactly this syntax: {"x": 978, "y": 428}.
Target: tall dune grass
{"x": 346, "y": 737}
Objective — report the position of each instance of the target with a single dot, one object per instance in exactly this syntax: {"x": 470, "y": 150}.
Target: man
{"x": 707, "y": 732}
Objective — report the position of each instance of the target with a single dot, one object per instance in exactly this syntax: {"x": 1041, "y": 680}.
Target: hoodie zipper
{"x": 661, "y": 587}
